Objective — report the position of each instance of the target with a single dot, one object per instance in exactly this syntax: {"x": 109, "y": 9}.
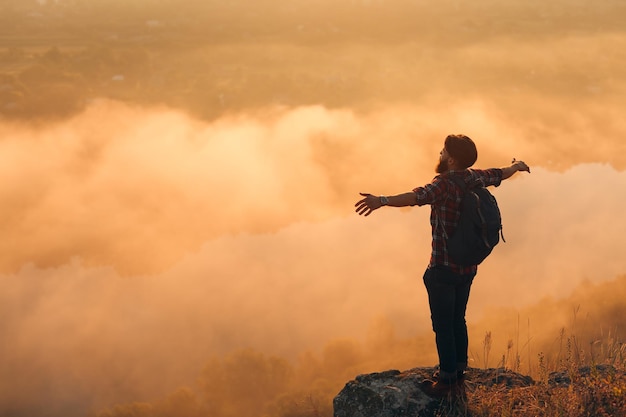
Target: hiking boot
{"x": 440, "y": 389}
{"x": 460, "y": 376}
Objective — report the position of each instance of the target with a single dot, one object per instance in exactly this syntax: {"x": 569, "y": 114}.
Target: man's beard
{"x": 442, "y": 166}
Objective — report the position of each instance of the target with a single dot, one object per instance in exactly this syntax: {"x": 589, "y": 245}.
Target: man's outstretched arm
{"x": 371, "y": 202}
{"x": 508, "y": 172}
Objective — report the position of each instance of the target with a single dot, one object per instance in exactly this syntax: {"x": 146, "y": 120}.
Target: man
{"x": 448, "y": 284}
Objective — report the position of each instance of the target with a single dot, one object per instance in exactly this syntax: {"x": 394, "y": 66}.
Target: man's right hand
{"x": 521, "y": 165}
{"x": 368, "y": 204}
{"x": 513, "y": 168}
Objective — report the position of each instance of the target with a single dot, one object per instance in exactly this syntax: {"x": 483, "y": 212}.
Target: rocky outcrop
{"x": 398, "y": 394}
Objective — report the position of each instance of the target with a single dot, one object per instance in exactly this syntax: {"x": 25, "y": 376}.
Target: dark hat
{"x": 462, "y": 149}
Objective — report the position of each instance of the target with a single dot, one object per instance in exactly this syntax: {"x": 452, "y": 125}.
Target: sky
{"x": 141, "y": 241}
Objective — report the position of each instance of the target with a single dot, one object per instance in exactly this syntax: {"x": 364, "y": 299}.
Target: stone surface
{"x": 398, "y": 394}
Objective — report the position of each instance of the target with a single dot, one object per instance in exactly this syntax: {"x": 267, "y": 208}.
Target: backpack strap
{"x": 459, "y": 181}
{"x": 466, "y": 191}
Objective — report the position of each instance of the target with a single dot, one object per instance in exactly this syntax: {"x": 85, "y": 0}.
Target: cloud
{"x": 137, "y": 189}
{"x": 105, "y": 338}
{"x": 138, "y": 242}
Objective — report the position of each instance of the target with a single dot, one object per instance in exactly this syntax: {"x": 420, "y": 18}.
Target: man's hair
{"x": 462, "y": 149}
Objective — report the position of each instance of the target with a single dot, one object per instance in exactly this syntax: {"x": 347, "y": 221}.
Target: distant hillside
{"x": 215, "y": 57}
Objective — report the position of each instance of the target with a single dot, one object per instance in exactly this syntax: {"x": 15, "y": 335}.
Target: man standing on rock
{"x": 448, "y": 284}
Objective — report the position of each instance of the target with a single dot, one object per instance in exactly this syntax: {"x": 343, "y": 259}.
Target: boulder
{"x": 398, "y": 394}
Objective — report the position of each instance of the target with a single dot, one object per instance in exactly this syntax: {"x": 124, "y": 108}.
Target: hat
{"x": 462, "y": 149}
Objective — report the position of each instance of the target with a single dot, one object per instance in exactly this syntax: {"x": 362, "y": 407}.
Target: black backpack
{"x": 479, "y": 228}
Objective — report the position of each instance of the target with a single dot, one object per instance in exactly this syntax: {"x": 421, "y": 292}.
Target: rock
{"x": 385, "y": 394}
{"x": 564, "y": 378}
{"x": 398, "y": 394}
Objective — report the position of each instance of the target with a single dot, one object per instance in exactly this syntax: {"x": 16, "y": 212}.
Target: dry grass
{"x": 578, "y": 382}
{"x": 596, "y": 394}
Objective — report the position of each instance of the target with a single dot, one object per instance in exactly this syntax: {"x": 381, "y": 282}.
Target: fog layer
{"x": 149, "y": 246}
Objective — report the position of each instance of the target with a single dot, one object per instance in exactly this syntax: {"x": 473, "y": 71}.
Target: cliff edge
{"x": 397, "y": 394}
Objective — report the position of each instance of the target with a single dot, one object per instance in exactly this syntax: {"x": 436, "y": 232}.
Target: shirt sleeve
{"x": 488, "y": 177}
{"x": 431, "y": 193}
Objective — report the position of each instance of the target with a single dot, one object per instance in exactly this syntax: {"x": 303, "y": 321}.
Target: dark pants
{"x": 448, "y": 293}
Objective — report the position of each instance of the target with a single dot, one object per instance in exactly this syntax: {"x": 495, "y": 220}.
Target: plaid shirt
{"x": 444, "y": 197}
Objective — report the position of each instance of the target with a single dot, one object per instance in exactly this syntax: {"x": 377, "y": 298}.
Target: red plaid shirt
{"x": 444, "y": 197}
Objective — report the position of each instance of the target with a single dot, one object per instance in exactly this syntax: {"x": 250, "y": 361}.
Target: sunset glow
{"x": 178, "y": 182}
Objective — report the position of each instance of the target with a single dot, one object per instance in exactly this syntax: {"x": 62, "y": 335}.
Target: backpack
{"x": 479, "y": 228}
